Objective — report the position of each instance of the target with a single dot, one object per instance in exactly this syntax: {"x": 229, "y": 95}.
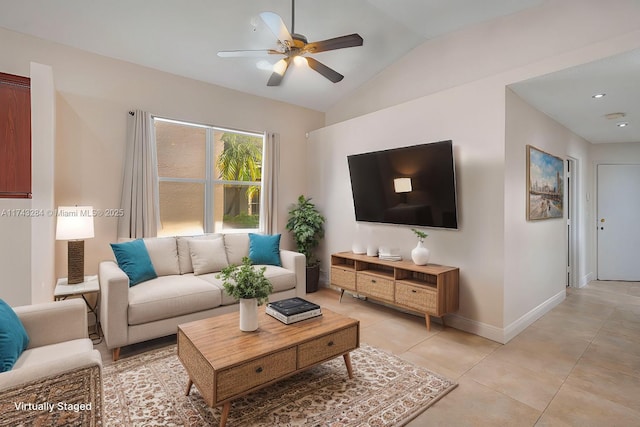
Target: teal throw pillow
{"x": 13, "y": 338}
{"x": 264, "y": 249}
{"x": 133, "y": 258}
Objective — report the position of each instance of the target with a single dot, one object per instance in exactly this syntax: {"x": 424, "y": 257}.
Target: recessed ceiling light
{"x": 622, "y": 124}
{"x": 599, "y": 95}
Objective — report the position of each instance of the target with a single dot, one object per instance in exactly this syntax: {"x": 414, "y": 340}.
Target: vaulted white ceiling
{"x": 183, "y": 37}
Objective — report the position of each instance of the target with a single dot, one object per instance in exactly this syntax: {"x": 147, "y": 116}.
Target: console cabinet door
{"x": 15, "y": 136}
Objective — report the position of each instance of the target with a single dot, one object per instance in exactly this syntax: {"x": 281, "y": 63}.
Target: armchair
{"x": 57, "y": 379}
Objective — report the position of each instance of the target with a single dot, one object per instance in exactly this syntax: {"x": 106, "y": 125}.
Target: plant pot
{"x": 248, "y": 314}
{"x": 420, "y": 254}
{"x": 313, "y": 277}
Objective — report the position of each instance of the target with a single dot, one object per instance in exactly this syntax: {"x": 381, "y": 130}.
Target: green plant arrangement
{"x": 307, "y": 225}
{"x": 246, "y": 281}
{"x": 421, "y": 235}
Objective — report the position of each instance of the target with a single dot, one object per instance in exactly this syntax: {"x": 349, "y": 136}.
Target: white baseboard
{"x": 490, "y": 332}
{"x": 501, "y": 335}
{"x": 586, "y": 279}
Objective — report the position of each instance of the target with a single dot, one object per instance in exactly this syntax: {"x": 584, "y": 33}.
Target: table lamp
{"x": 74, "y": 224}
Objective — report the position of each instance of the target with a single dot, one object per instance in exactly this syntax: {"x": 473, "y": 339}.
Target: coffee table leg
{"x": 347, "y": 361}
{"x": 189, "y": 384}
{"x": 225, "y": 414}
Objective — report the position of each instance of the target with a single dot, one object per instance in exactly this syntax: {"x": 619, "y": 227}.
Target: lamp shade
{"x": 74, "y": 223}
{"x": 402, "y": 185}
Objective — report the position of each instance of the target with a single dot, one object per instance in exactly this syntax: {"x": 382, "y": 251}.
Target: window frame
{"x": 210, "y": 181}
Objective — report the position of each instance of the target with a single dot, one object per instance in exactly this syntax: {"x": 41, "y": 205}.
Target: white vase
{"x": 420, "y": 254}
{"x": 248, "y": 314}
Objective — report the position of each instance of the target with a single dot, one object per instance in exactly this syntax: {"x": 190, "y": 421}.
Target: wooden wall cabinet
{"x": 430, "y": 289}
{"x": 15, "y": 136}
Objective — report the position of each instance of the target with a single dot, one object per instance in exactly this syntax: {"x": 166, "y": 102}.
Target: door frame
{"x": 573, "y": 249}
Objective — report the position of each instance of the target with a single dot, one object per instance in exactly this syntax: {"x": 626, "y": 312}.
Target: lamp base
{"x": 75, "y": 261}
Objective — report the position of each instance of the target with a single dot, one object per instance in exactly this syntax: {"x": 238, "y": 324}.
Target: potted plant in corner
{"x": 306, "y": 224}
{"x": 247, "y": 284}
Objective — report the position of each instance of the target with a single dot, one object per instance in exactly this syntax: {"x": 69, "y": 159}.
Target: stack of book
{"x": 293, "y": 310}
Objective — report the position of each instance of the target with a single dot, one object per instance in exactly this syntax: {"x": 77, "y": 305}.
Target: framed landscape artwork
{"x": 545, "y": 185}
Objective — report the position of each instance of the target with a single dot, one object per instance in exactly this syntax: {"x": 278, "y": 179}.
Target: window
{"x": 210, "y": 178}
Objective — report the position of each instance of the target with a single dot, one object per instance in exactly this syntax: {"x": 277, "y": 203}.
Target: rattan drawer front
{"x": 327, "y": 346}
{"x": 375, "y": 286}
{"x": 345, "y": 279}
{"x": 241, "y": 378}
{"x": 418, "y": 297}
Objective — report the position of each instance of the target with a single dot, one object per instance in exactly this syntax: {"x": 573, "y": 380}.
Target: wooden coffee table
{"x": 226, "y": 363}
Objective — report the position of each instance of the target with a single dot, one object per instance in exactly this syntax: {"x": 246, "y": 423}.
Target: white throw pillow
{"x": 207, "y": 256}
{"x": 184, "y": 254}
{"x": 163, "y": 252}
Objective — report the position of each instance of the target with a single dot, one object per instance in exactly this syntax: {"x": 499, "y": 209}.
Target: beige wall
{"x": 454, "y": 87}
{"x": 95, "y": 93}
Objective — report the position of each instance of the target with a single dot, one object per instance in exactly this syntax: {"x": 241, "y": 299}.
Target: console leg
{"x": 428, "y": 320}
{"x": 189, "y": 384}
{"x": 341, "y": 293}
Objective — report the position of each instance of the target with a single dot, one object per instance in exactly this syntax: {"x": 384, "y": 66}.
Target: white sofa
{"x": 59, "y": 366}
{"x": 156, "y": 307}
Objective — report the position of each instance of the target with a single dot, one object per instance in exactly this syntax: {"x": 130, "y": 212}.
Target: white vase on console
{"x": 420, "y": 254}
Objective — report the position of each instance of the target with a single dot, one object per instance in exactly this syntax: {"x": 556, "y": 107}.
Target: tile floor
{"x": 579, "y": 365}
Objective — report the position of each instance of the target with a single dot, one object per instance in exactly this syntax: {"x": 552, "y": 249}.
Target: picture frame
{"x": 545, "y": 185}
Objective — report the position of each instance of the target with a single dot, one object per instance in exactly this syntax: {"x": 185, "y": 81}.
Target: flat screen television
{"x": 413, "y": 185}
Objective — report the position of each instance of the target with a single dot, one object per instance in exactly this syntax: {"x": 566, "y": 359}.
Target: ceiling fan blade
{"x": 277, "y": 27}
{"x": 352, "y": 40}
{"x": 279, "y": 69}
{"x": 248, "y": 53}
{"x": 329, "y": 73}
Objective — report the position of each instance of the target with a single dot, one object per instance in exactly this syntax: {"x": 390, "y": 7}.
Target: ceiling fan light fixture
{"x": 300, "y": 61}
{"x": 599, "y": 95}
{"x": 280, "y": 67}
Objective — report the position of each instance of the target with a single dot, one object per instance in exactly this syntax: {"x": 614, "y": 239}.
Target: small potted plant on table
{"x": 247, "y": 284}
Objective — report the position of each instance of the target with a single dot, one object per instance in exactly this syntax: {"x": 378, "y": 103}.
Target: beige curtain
{"x": 270, "y": 172}
{"x": 139, "y": 200}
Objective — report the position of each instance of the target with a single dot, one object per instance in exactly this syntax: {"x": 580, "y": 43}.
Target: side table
{"x": 91, "y": 285}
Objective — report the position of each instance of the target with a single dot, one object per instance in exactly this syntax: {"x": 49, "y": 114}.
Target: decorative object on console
{"x": 74, "y": 224}
{"x": 249, "y": 285}
{"x": 306, "y": 224}
{"x": 420, "y": 254}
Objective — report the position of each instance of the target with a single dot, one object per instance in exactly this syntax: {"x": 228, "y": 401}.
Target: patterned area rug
{"x": 148, "y": 389}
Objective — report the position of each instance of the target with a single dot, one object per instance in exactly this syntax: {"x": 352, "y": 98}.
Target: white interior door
{"x": 618, "y": 222}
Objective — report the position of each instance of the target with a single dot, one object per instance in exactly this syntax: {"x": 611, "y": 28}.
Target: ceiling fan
{"x": 292, "y": 46}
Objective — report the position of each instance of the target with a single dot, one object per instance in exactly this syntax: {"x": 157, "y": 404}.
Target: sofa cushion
{"x": 48, "y": 353}
{"x": 170, "y": 296}
{"x": 281, "y": 278}
{"x": 208, "y": 256}
{"x": 213, "y": 279}
{"x": 13, "y": 337}
{"x": 264, "y": 249}
{"x": 237, "y": 246}
{"x": 184, "y": 254}
{"x": 133, "y": 258}
{"x": 163, "y": 252}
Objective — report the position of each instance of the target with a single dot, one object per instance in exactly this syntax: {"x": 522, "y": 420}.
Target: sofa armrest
{"x": 114, "y": 303}
{"x": 297, "y": 263}
{"x": 35, "y": 373}
{"x": 54, "y": 322}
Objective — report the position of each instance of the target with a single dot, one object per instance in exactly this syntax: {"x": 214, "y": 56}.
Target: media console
{"x": 430, "y": 289}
